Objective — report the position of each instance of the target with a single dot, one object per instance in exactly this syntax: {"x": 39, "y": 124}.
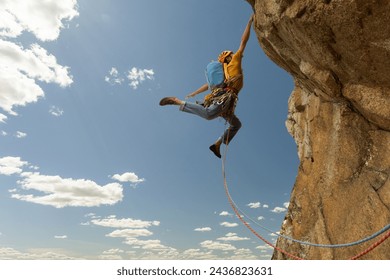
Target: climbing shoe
{"x": 215, "y": 149}
{"x": 169, "y": 101}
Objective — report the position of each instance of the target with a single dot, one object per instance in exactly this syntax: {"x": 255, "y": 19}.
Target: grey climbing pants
{"x": 213, "y": 111}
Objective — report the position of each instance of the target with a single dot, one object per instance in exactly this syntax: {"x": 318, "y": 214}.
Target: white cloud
{"x": 123, "y": 223}
{"x": 266, "y": 250}
{"x": 215, "y": 245}
{"x": 63, "y": 192}
{"x": 114, "y": 72}
{"x": 55, "y": 111}
{"x": 229, "y": 225}
{"x": 286, "y": 204}
{"x": 114, "y": 77}
{"x": 109, "y": 257}
{"x": 9, "y": 27}
{"x": 128, "y": 177}
{"x": 130, "y": 233}
{"x": 198, "y": 254}
{"x": 225, "y": 213}
{"x": 254, "y": 205}
{"x": 232, "y": 237}
{"x": 35, "y": 62}
{"x": 92, "y": 215}
{"x": 133, "y": 229}
{"x": 264, "y": 247}
{"x": 11, "y": 165}
{"x": 42, "y": 18}
{"x": 113, "y": 252}
{"x": 33, "y": 167}
{"x": 17, "y": 89}
{"x": 154, "y": 252}
{"x": 3, "y": 133}
{"x": 20, "y": 134}
{"x": 7, "y": 253}
{"x": 260, "y": 218}
{"x": 151, "y": 244}
{"x": 265, "y": 206}
{"x": 3, "y": 118}
{"x": 244, "y": 254}
{"x": 137, "y": 76}
{"x": 60, "y": 236}
{"x": 279, "y": 210}
{"x": 21, "y": 68}
{"x": 203, "y": 229}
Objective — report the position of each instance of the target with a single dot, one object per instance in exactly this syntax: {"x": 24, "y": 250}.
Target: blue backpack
{"x": 214, "y": 74}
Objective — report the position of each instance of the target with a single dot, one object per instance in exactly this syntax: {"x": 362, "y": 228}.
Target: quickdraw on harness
{"x": 224, "y": 95}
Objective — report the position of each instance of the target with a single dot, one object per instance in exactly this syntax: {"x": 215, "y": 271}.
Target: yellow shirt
{"x": 234, "y": 69}
{"x": 231, "y": 70}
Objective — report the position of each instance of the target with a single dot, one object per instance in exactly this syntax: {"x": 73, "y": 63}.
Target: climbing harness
{"x": 240, "y": 214}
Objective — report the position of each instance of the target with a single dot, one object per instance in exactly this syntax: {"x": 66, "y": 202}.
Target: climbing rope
{"x": 372, "y": 247}
{"x": 383, "y": 230}
{"x": 236, "y": 211}
{"x": 239, "y": 213}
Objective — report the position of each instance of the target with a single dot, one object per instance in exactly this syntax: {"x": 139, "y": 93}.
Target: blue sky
{"x": 90, "y": 165}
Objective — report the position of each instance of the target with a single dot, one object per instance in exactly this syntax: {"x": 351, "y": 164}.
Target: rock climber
{"x": 221, "y": 102}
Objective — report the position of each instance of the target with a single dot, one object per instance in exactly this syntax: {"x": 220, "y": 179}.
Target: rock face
{"x": 338, "y": 53}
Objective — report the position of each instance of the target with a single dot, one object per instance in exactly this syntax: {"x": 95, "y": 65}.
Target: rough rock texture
{"x": 338, "y": 53}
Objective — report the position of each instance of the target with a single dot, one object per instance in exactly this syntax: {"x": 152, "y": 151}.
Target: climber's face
{"x": 223, "y": 55}
{"x": 229, "y": 58}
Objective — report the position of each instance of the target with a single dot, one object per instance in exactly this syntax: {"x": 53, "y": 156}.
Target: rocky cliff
{"x": 338, "y": 53}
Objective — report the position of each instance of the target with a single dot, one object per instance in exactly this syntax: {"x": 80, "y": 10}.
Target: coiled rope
{"x": 240, "y": 214}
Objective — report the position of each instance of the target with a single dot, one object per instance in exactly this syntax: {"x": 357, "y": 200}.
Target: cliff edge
{"x": 338, "y": 53}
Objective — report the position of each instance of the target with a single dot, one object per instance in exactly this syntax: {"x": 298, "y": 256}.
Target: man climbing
{"x": 221, "y": 102}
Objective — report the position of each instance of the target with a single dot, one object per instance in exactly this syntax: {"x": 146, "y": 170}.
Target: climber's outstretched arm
{"x": 246, "y": 34}
{"x": 203, "y": 88}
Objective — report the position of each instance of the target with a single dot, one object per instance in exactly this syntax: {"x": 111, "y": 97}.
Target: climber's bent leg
{"x": 232, "y": 130}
